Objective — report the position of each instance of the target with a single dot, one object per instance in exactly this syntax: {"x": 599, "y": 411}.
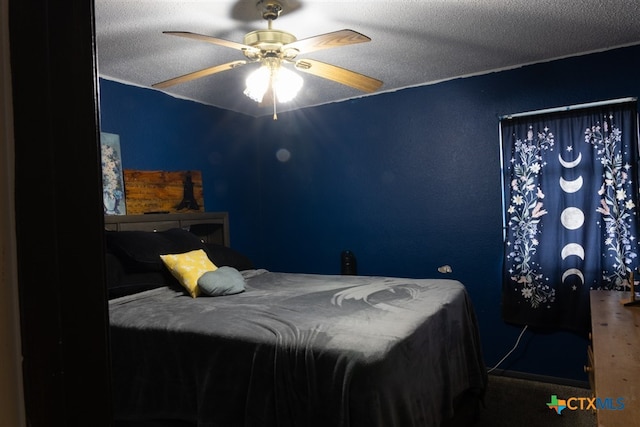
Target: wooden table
{"x": 615, "y": 335}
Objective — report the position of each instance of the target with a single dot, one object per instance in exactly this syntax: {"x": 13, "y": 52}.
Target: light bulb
{"x": 257, "y": 83}
{"x": 285, "y": 83}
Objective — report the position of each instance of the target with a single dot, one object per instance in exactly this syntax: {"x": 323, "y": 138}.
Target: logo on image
{"x": 585, "y": 403}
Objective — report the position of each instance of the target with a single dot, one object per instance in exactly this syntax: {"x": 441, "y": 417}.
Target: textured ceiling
{"x": 412, "y": 43}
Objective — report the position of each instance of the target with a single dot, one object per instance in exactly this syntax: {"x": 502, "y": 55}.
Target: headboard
{"x": 211, "y": 227}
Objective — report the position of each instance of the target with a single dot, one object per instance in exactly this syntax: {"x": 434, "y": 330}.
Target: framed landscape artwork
{"x": 163, "y": 191}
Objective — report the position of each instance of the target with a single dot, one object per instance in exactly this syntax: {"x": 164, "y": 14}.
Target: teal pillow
{"x": 223, "y": 281}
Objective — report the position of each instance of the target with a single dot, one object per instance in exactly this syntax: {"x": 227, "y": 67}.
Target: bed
{"x": 284, "y": 349}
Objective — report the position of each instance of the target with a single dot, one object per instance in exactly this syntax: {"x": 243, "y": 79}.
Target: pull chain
{"x": 275, "y": 115}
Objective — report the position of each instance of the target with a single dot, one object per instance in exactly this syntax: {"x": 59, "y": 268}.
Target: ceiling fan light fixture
{"x": 258, "y": 83}
{"x": 271, "y": 48}
{"x": 285, "y": 83}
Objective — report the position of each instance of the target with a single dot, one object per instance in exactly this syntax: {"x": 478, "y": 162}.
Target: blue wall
{"x": 408, "y": 180}
{"x": 158, "y": 132}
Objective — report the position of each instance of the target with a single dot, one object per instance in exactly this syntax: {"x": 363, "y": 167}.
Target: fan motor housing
{"x": 269, "y": 39}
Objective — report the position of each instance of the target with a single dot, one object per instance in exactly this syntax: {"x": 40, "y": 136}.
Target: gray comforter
{"x": 297, "y": 350}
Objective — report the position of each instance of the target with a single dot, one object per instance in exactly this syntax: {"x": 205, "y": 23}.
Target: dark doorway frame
{"x": 59, "y": 214}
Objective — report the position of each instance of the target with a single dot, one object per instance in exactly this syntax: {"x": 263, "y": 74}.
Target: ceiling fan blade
{"x": 209, "y": 39}
{"x": 328, "y": 40}
{"x": 198, "y": 74}
{"x": 338, "y": 74}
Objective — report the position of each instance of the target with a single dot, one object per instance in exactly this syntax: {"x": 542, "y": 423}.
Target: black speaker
{"x": 349, "y": 266}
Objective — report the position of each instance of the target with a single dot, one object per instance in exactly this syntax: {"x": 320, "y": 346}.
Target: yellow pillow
{"x": 188, "y": 267}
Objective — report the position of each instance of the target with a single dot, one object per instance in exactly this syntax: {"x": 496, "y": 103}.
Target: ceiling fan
{"x": 272, "y": 48}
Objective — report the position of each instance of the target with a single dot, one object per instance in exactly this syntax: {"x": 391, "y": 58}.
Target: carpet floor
{"x": 517, "y": 402}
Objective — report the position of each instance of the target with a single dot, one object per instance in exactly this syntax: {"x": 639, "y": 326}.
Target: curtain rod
{"x": 569, "y": 107}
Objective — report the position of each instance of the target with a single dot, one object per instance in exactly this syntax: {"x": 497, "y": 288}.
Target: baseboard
{"x": 540, "y": 378}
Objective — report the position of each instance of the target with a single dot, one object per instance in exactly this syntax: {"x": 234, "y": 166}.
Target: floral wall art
{"x": 112, "y": 179}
